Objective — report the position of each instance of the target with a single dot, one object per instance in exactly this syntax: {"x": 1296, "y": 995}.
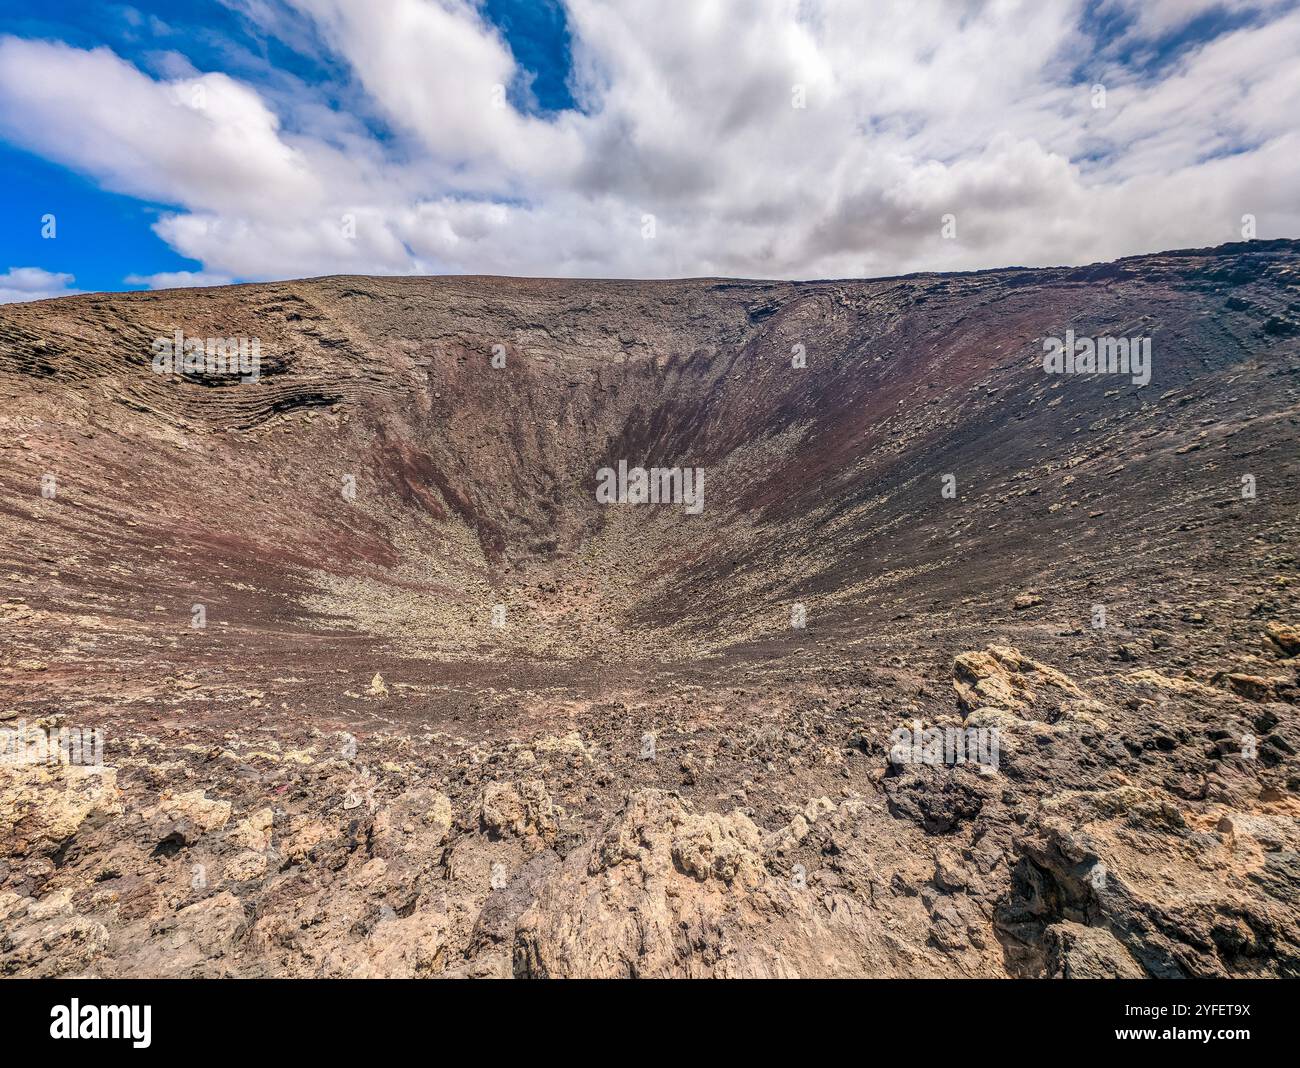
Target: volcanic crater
{"x": 386, "y": 690}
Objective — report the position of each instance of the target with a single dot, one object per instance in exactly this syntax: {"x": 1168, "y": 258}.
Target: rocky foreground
{"x": 1114, "y": 840}
{"x": 356, "y": 765}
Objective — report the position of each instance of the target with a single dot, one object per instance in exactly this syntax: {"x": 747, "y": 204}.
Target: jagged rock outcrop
{"x": 1001, "y": 677}
{"x": 667, "y": 891}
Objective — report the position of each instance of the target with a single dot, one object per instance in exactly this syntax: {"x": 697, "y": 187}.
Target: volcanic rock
{"x": 386, "y": 689}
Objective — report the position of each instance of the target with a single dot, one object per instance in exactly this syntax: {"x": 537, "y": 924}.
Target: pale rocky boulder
{"x": 42, "y": 806}
{"x": 1285, "y": 638}
{"x": 250, "y": 864}
{"x": 1187, "y": 893}
{"x": 254, "y": 832}
{"x": 1002, "y": 677}
{"x": 199, "y": 941}
{"x": 666, "y": 891}
{"x": 48, "y": 937}
{"x": 411, "y": 947}
{"x": 417, "y": 821}
{"x": 1079, "y": 952}
{"x": 192, "y": 809}
{"x": 524, "y": 810}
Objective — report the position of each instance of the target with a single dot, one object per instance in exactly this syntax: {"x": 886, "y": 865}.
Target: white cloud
{"x": 913, "y": 110}
{"x": 177, "y": 279}
{"x": 33, "y": 283}
{"x": 438, "y": 70}
{"x": 207, "y": 142}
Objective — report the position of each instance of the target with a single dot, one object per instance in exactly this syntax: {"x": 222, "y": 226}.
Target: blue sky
{"x": 102, "y": 237}
{"x": 200, "y": 143}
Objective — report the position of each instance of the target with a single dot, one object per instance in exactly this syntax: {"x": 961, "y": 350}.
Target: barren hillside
{"x": 385, "y": 689}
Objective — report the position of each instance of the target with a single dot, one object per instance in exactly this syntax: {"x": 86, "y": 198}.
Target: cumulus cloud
{"x": 778, "y": 138}
{"x": 33, "y": 283}
{"x": 206, "y": 142}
